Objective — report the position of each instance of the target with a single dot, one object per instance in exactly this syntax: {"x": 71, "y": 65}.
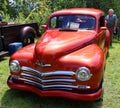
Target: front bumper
{"x": 55, "y": 93}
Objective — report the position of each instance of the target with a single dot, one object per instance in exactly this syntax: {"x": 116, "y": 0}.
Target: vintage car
{"x": 68, "y": 60}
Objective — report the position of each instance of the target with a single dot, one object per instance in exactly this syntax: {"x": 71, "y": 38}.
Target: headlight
{"x": 14, "y": 66}
{"x": 83, "y": 74}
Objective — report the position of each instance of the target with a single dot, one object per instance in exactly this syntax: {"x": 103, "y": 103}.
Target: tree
{"x": 23, "y": 11}
{"x": 4, "y": 6}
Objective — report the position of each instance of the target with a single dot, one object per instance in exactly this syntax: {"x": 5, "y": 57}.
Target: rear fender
{"x": 107, "y": 42}
{"x": 27, "y": 29}
{"x": 27, "y": 35}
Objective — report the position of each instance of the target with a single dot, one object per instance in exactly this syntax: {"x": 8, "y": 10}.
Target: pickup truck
{"x": 10, "y": 33}
{"x": 68, "y": 60}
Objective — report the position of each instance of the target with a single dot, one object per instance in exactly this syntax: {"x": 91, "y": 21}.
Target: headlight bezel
{"x": 14, "y": 66}
{"x": 83, "y": 74}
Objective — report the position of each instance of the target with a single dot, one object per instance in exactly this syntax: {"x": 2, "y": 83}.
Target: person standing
{"x": 111, "y": 23}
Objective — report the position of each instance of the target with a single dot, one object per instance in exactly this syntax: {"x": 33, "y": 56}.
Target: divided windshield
{"x": 73, "y": 22}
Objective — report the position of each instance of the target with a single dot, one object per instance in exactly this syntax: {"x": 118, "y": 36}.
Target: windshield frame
{"x": 72, "y": 15}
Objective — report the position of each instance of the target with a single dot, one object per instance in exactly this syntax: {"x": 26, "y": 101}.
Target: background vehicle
{"x": 10, "y": 33}
{"x": 68, "y": 60}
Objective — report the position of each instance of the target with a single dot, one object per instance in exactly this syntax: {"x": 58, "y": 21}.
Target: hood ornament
{"x": 43, "y": 65}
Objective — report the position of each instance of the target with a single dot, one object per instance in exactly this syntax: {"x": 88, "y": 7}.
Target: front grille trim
{"x": 51, "y": 87}
{"x": 53, "y": 80}
{"x": 47, "y": 81}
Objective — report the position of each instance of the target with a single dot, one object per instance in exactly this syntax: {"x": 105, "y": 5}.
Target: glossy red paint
{"x": 48, "y": 68}
{"x": 54, "y": 43}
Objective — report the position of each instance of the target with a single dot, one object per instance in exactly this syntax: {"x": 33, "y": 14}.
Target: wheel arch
{"x": 24, "y": 33}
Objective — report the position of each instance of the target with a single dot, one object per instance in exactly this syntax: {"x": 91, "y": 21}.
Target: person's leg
{"x": 111, "y": 35}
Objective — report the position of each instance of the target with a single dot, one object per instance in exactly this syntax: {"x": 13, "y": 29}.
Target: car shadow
{"x": 20, "y": 99}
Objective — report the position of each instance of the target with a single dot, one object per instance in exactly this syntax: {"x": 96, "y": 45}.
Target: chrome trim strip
{"x": 30, "y": 82}
{"x": 46, "y": 81}
{"x": 44, "y": 65}
{"x": 31, "y": 70}
{"x": 68, "y": 73}
{"x": 52, "y": 73}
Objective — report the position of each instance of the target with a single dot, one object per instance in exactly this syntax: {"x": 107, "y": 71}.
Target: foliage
{"x": 39, "y": 13}
{"x": 62, "y": 4}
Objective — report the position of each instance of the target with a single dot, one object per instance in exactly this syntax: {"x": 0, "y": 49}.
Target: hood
{"x": 54, "y": 43}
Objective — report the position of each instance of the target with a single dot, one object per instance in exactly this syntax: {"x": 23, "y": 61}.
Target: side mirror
{"x": 45, "y": 27}
{"x": 103, "y": 28}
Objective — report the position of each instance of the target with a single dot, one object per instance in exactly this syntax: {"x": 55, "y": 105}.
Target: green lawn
{"x": 18, "y": 99}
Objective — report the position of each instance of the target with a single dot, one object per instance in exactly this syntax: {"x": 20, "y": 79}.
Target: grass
{"x": 17, "y": 99}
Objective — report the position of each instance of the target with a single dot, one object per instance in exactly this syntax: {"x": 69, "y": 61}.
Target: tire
{"x": 28, "y": 38}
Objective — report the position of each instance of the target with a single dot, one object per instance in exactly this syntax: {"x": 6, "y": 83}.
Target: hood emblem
{"x": 42, "y": 64}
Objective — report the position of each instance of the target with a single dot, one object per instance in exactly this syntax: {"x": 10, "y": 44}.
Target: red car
{"x": 68, "y": 60}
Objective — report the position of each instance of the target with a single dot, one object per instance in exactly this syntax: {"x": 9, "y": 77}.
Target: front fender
{"x": 91, "y": 57}
{"x": 24, "y": 55}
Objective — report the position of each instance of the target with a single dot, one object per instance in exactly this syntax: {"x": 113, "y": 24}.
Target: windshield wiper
{"x": 87, "y": 28}
{"x": 68, "y": 29}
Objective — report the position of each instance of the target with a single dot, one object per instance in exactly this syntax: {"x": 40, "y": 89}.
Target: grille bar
{"x": 28, "y": 76}
{"x": 53, "y": 73}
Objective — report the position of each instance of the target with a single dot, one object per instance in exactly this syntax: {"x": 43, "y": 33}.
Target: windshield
{"x": 73, "y": 22}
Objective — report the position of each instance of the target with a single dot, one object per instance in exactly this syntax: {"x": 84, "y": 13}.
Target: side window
{"x": 53, "y": 22}
{"x": 102, "y": 21}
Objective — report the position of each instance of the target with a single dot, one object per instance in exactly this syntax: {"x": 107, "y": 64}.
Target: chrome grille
{"x": 50, "y": 80}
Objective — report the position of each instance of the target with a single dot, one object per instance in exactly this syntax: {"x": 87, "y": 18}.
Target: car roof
{"x": 84, "y": 11}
